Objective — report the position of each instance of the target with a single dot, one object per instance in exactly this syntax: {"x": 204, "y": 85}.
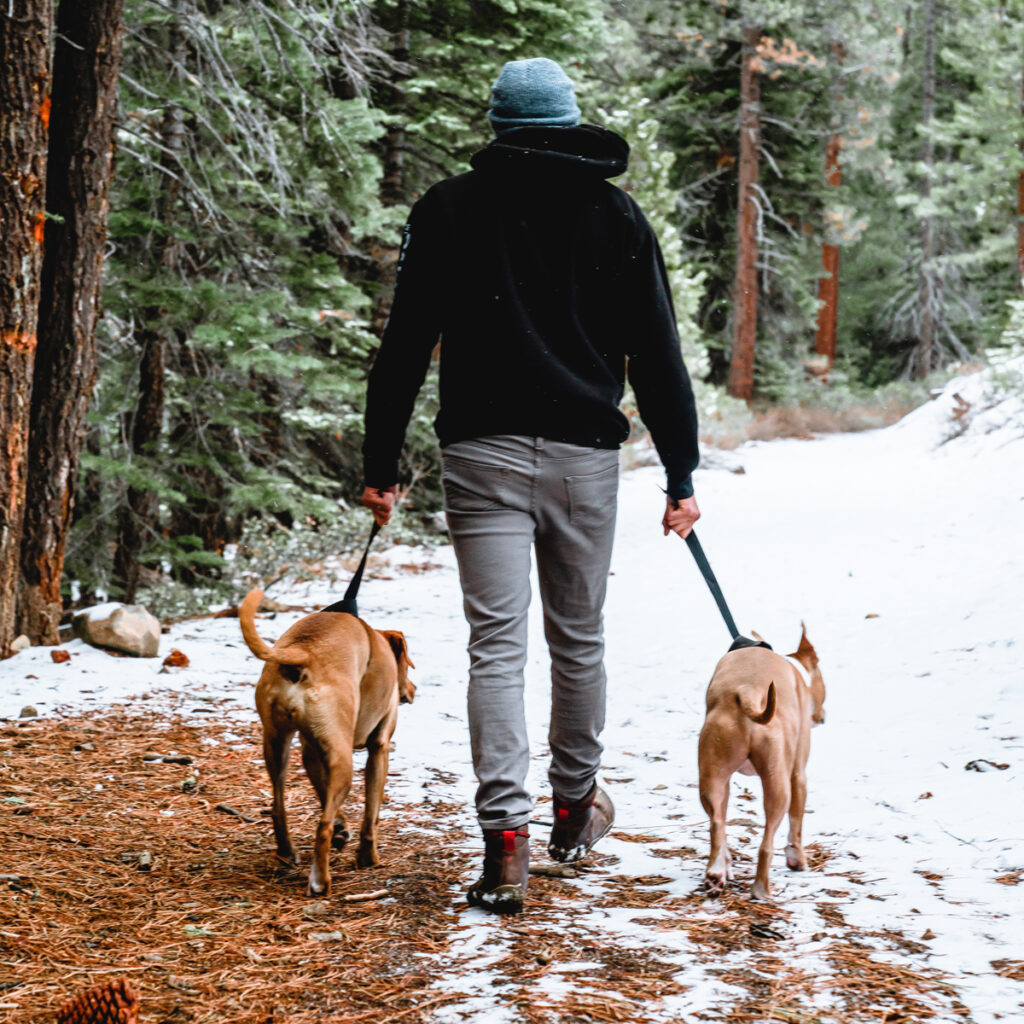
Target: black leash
{"x": 348, "y": 603}
{"x": 704, "y": 565}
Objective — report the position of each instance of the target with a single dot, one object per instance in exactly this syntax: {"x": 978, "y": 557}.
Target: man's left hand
{"x": 680, "y": 516}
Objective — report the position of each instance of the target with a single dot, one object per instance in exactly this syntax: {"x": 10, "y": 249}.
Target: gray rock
{"x": 128, "y": 628}
{"x": 28, "y": 712}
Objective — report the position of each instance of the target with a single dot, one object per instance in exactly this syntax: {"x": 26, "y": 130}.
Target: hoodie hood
{"x": 542, "y": 150}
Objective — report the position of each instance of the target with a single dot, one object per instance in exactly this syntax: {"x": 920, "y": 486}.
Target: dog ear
{"x": 757, "y": 636}
{"x": 806, "y": 648}
{"x": 398, "y": 645}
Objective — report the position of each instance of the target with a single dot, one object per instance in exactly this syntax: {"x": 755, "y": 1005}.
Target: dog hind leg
{"x": 795, "y": 859}
{"x": 316, "y": 771}
{"x": 338, "y": 761}
{"x": 276, "y": 751}
{"x": 714, "y": 796}
{"x": 776, "y": 803}
{"x": 377, "y": 750}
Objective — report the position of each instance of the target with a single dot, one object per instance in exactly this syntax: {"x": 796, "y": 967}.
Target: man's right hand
{"x": 380, "y": 501}
{"x": 680, "y": 516}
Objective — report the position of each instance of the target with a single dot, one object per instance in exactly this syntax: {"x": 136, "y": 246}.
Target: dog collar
{"x": 804, "y": 674}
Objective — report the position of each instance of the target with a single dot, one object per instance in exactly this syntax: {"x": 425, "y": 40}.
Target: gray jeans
{"x": 502, "y": 495}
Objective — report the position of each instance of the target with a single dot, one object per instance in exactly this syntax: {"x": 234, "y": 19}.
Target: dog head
{"x": 808, "y": 657}
{"x": 406, "y": 687}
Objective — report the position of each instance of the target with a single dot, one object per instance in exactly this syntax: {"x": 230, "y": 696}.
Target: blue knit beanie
{"x": 532, "y": 92}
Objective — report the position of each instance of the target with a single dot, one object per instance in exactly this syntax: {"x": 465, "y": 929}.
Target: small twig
{"x": 362, "y": 897}
{"x": 554, "y": 870}
{"x": 228, "y": 809}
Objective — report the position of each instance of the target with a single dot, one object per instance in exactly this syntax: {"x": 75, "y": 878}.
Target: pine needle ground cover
{"x": 136, "y": 845}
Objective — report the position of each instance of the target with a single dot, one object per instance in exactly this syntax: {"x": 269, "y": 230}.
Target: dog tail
{"x": 755, "y": 714}
{"x": 259, "y": 646}
{"x": 247, "y": 620}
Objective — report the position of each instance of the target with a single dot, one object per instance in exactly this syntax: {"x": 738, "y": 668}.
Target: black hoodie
{"x": 542, "y": 280}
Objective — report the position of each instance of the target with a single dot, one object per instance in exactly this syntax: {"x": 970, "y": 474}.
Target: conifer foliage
{"x": 839, "y": 179}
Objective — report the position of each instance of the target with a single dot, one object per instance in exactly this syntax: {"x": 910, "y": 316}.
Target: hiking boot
{"x": 502, "y": 886}
{"x": 579, "y": 825}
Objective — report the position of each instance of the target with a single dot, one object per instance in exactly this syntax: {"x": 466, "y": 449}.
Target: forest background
{"x": 191, "y": 302}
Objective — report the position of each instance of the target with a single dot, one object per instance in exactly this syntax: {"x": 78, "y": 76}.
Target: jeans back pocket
{"x": 592, "y": 497}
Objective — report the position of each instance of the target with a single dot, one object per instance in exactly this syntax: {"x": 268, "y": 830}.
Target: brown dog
{"x": 760, "y": 707}
{"x": 338, "y": 683}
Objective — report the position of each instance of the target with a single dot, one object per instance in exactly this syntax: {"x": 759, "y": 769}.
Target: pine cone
{"x": 112, "y": 1003}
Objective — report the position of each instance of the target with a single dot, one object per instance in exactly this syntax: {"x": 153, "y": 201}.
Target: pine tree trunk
{"x": 828, "y": 283}
{"x": 26, "y": 39}
{"x": 1020, "y": 202}
{"x": 393, "y": 184}
{"x": 139, "y": 516}
{"x": 924, "y": 353}
{"x": 79, "y": 168}
{"x": 392, "y": 190}
{"x": 741, "y": 369}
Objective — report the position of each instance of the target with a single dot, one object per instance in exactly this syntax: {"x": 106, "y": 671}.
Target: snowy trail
{"x": 925, "y": 540}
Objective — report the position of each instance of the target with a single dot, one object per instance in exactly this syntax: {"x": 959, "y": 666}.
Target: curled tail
{"x": 755, "y": 714}
{"x": 255, "y": 643}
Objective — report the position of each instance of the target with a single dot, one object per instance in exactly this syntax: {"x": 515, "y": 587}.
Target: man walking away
{"x": 543, "y": 282}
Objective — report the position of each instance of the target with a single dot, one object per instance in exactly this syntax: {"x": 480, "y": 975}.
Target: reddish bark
{"x": 79, "y": 168}
{"x": 25, "y": 49}
{"x": 741, "y": 369}
{"x": 828, "y": 283}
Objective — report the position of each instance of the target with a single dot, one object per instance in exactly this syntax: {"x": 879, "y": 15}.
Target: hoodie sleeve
{"x": 656, "y": 371}
{"x": 404, "y": 356}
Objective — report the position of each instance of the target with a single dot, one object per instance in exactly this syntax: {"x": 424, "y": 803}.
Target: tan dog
{"x": 338, "y": 683}
{"x": 760, "y": 707}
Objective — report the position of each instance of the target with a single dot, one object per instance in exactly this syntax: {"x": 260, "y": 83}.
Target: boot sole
{"x": 576, "y": 853}
{"x": 505, "y": 899}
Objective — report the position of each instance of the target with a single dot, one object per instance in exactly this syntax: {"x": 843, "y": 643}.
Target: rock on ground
{"x": 128, "y": 628}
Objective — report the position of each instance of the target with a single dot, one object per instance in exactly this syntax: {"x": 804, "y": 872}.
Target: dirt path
{"x": 117, "y": 865}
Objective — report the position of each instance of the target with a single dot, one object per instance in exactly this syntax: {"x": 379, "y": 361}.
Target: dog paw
{"x": 367, "y": 857}
{"x": 317, "y": 884}
{"x": 795, "y": 859}
{"x": 341, "y": 837}
{"x": 716, "y": 881}
{"x": 762, "y": 892}
{"x": 289, "y": 856}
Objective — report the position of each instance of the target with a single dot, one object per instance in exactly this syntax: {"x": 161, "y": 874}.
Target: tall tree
{"x": 923, "y": 355}
{"x": 1020, "y": 193}
{"x": 828, "y": 283}
{"x": 25, "y": 57}
{"x": 143, "y": 422}
{"x": 748, "y": 199}
{"x": 87, "y": 59}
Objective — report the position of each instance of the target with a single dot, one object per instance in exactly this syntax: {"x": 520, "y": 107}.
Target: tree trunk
{"x": 828, "y": 283}
{"x": 1020, "y": 202}
{"x": 26, "y": 40}
{"x": 741, "y": 369}
{"x": 79, "y": 168}
{"x": 924, "y": 353}
{"x": 392, "y": 190}
{"x": 139, "y": 516}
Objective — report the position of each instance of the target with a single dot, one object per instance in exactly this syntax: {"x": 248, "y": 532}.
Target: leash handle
{"x": 709, "y": 578}
{"x": 348, "y": 602}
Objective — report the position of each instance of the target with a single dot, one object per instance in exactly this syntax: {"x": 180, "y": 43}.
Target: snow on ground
{"x": 905, "y": 558}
